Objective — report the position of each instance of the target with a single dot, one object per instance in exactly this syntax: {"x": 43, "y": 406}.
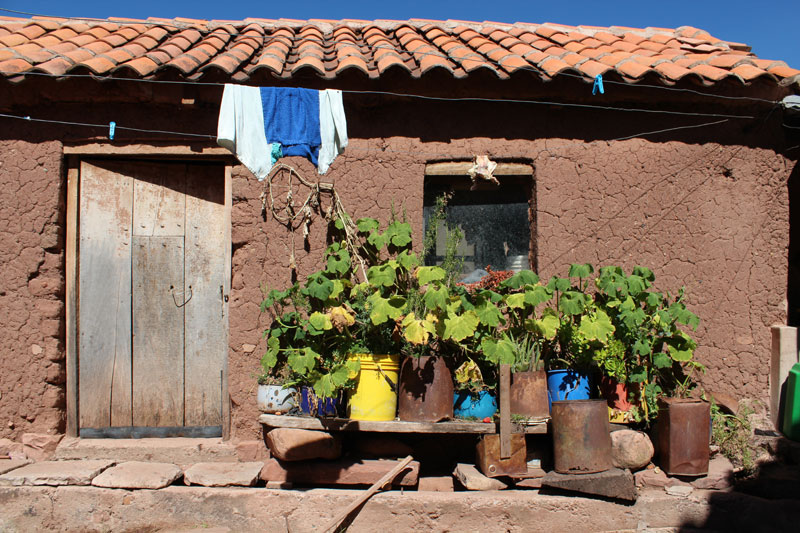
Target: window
{"x": 497, "y": 220}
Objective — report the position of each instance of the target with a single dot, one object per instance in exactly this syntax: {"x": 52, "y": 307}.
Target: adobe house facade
{"x": 133, "y": 268}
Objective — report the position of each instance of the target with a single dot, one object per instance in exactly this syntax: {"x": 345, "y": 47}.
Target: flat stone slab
{"x": 56, "y": 473}
{"x": 341, "y": 472}
{"x": 223, "y": 474}
{"x": 613, "y": 483}
{"x": 138, "y": 475}
{"x": 178, "y": 450}
{"x": 473, "y": 479}
{"x": 7, "y": 465}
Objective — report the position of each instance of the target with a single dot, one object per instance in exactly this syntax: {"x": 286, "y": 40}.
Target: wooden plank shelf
{"x": 390, "y": 426}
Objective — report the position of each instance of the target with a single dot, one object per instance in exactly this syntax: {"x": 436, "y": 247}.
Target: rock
{"x": 248, "y": 348}
{"x": 138, "y": 475}
{"x": 56, "y": 473}
{"x": 289, "y": 444}
{"x": 720, "y": 475}
{"x": 532, "y": 483}
{"x": 9, "y": 447}
{"x": 282, "y": 485}
{"x": 40, "y": 446}
{"x": 7, "y": 465}
{"x": 631, "y": 449}
{"x": 380, "y": 446}
{"x": 223, "y": 474}
{"x": 341, "y": 472}
{"x": 252, "y": 450}
{"x": 472, "y": 479}
{"x": 613, "y": 483}
{"x": 682, "y": 491}
{"x": 651, "y": 478}
{"x": 436, "y": 484}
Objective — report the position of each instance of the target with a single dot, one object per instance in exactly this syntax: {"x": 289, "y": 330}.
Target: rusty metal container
{"x": 581, "y": 439}
{"x": 683, "y": 436}
{"x": 425, "y": 390}
{"x": 529, "y": 394}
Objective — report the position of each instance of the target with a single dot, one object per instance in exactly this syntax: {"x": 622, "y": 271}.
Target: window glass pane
{"x": 494, "y": 222}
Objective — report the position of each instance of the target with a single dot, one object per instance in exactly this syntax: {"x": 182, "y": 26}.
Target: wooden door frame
{"x": 73, "y": 156}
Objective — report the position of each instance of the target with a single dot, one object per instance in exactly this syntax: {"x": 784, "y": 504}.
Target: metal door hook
{"x": 182, "y": 294}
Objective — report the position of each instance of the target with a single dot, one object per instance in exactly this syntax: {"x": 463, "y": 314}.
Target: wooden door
{"x": 153, "y": 271}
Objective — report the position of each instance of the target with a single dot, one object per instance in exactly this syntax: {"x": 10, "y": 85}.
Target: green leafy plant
{"x": 400, "y": 307}
{"x": 732, "y": 434}
{"x": 658, "y": 353}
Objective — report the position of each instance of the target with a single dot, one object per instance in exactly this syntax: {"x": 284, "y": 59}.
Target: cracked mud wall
{"x": 31, "y": 288}
{"x": 699, "y": 207}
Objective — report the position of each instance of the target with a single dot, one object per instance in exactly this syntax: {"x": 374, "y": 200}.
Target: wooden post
{"x": 73, "y": 175}
{"x": 505, "y": 411}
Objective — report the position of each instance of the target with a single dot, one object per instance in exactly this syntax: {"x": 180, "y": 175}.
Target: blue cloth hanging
{"x": 291, "y": 118}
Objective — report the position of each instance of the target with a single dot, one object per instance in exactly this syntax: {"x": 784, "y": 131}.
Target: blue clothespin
{"x": 111, "y": 127}
{"x": 598, "y": 84}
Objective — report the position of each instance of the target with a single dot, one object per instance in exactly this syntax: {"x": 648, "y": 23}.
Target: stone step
{"x": 180, "y": 451}
{"x": 340, "y": 472}
{"x": 56, "y": 473}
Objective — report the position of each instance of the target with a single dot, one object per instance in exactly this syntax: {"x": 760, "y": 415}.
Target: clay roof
{"x": 239, "y": 50}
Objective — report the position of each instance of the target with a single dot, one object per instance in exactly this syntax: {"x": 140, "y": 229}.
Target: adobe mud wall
{"x": 705, "y": 208}
{"x": 31, "y": 288}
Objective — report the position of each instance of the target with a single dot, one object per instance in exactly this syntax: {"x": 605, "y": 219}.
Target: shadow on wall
{"x": 768, "y": 502}
{"x": 793, "y": 281}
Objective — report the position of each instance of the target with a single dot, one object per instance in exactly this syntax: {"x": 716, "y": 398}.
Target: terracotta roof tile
{"x": 783, "y": 71}
{"x": 709, "y": 72}
{"x": 329, "y": 48}
{"x": 748, "y": 72}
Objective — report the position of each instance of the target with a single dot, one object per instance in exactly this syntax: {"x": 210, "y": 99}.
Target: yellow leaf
{"x": 340, "y": 318}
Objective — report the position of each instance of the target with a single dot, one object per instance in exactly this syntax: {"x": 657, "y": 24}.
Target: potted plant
{"x": 271, "y": 395}
{"x": 581, "y": 328}
{"x": 655, "y": 358}
{"x": 474, "y": 397}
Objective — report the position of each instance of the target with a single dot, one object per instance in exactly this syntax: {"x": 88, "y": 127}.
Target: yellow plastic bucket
{"x": 375, "y": 395}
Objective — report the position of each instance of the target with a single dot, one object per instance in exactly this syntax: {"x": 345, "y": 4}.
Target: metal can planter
{"x": 581, "y": 439}
{"x": 425, "y": 390}
{"x": 683, "y": 436}
{"x": 529, "y": 394}
{"x": 274, "y": 398}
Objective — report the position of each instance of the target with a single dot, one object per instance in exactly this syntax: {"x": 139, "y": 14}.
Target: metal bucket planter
{"x": 683, "y": 436}
{"x": 480, "y": 406}
{"x": 581, "y": 438}
{"x": 425, "y": 390}
{"x": 274, "y": 398}
{"x": 529, "y": 394}
{"x": 313, "y": 405}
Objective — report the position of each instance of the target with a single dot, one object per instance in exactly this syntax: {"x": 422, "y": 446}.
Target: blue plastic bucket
{"x": 466, "y": 405}
{"x": 566, "y": 385}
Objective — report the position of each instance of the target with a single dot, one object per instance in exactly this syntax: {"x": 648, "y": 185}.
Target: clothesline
{"x": 349, "y": 149}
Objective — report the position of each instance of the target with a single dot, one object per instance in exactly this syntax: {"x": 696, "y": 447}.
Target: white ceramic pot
{"x": 274, "y": 398}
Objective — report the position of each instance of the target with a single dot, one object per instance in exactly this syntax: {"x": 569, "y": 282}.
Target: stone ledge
{"x": 259, "y": 509}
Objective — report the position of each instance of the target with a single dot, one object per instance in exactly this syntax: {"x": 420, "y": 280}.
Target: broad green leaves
{"x": 459, "y": 327}
{"x": 597, "y": 327}
{"x": 382, "y": 309}
{"x": 418, "y": 331}
{"x": 427, "y": 274}
{"x": 382, "y": 275}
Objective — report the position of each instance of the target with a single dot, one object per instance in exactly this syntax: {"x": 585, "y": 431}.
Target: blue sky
{"x": 771, "y": 27}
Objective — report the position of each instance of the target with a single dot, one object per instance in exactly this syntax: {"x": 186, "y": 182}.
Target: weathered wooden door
{"x": 153, "y": 267}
